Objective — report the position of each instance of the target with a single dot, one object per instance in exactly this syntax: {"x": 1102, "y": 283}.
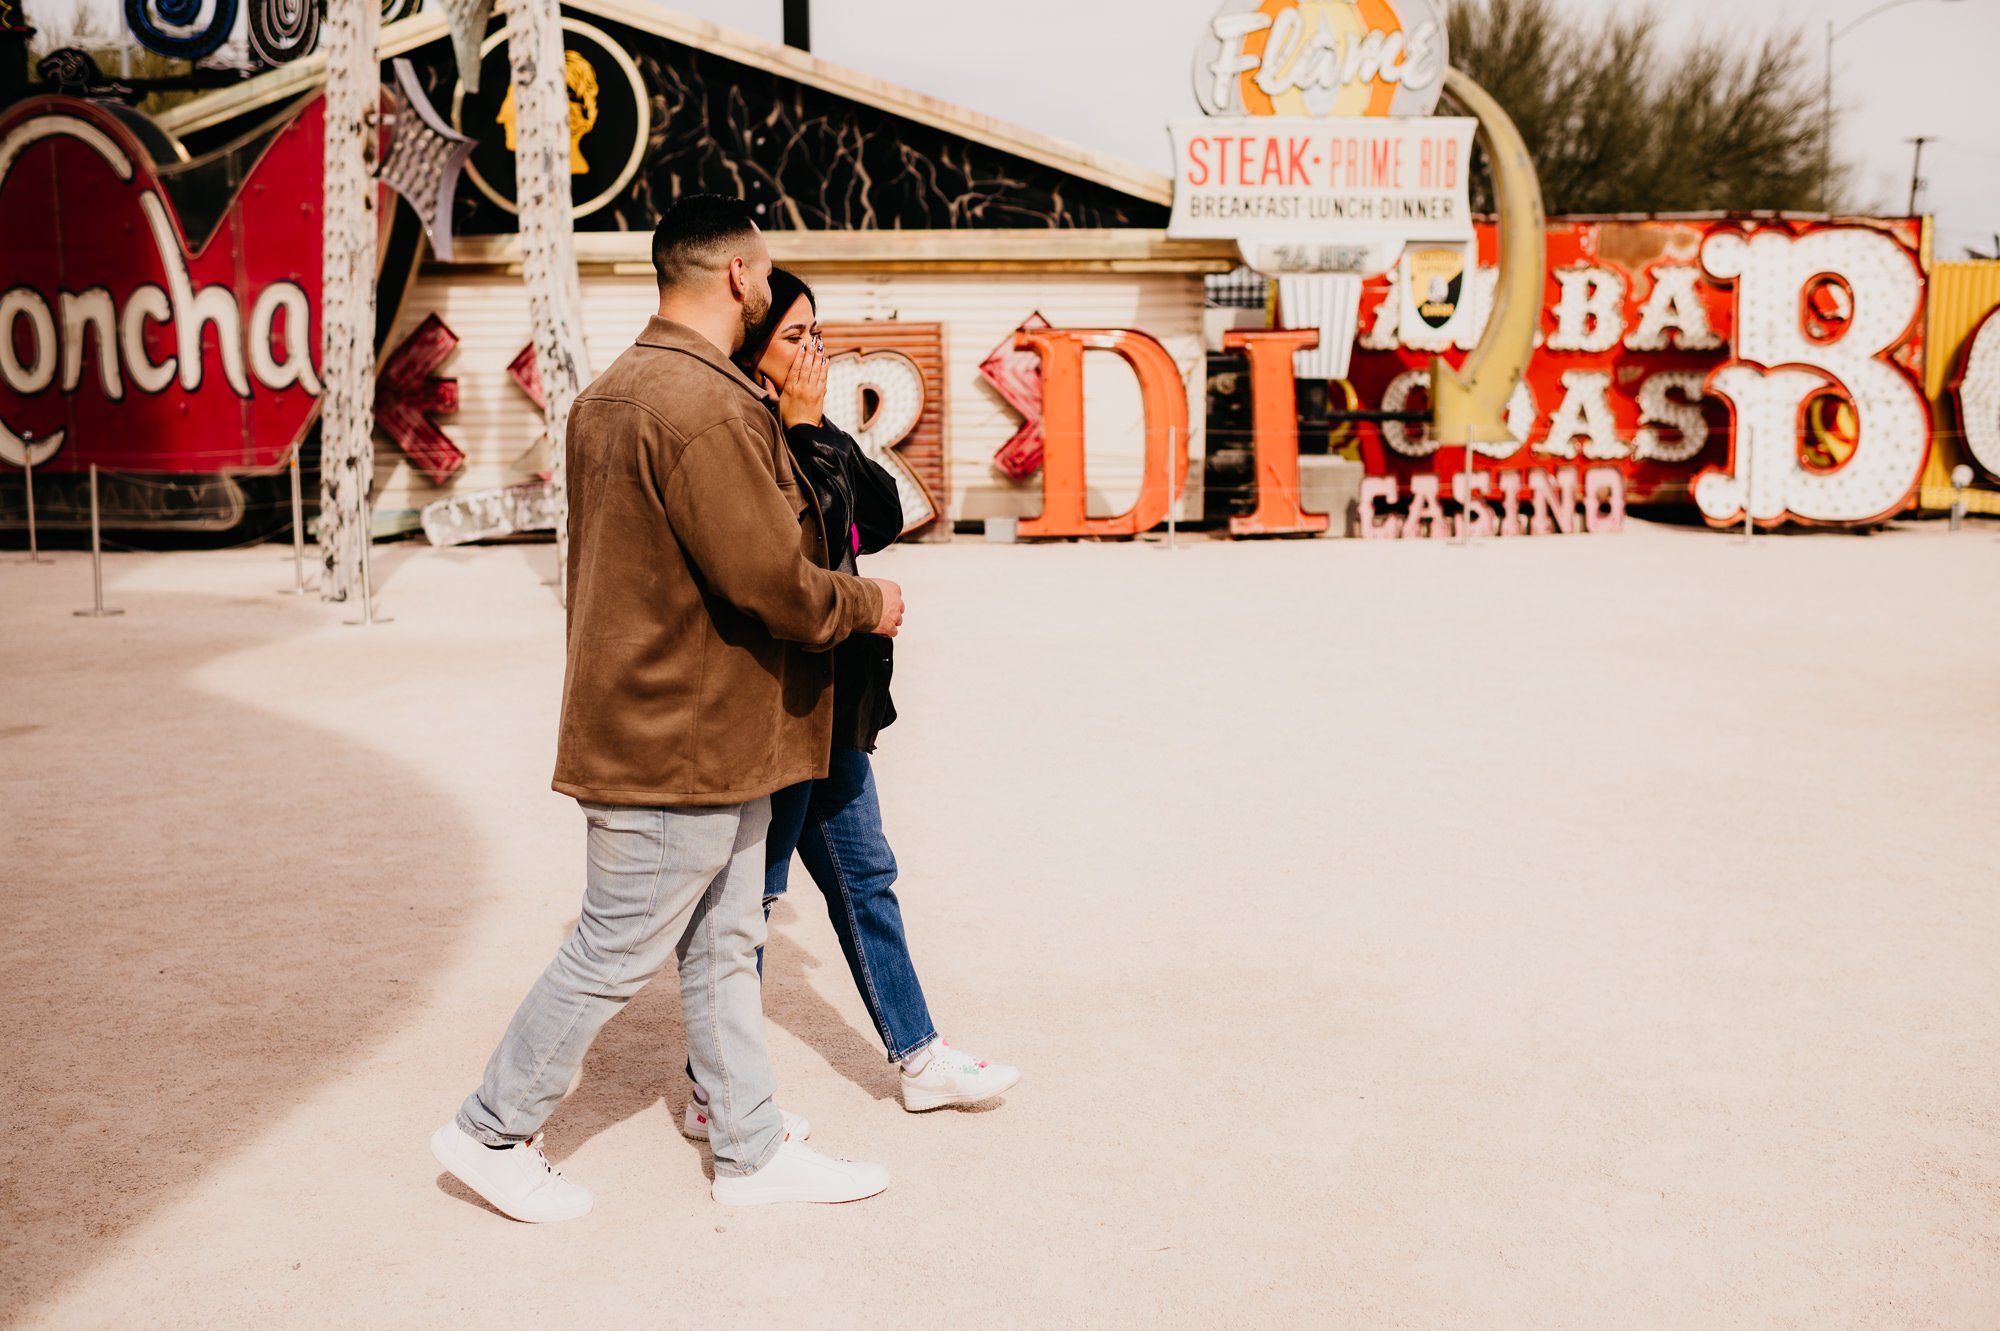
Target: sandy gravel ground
{"x": 1588, "y": 933}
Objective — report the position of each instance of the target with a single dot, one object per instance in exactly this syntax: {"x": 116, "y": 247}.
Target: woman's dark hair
{"x": 786, "y": 288}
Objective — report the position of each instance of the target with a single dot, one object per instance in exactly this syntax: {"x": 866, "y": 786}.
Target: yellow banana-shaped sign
{"x": 1469, "y": 404}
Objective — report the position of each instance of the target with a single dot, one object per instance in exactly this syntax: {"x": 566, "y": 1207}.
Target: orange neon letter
{"x": 1274, "y": 430}
{"x": 1164, "y": 400}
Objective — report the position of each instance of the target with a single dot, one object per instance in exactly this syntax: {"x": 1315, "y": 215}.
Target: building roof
{"x": 407, "y": 35}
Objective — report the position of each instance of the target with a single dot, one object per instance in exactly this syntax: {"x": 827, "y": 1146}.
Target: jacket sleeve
{"x": 742, "y": 538}
{"x": 878, "y": 509}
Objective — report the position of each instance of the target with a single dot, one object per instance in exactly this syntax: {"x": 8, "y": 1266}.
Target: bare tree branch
{"x": 1617, "y": 123}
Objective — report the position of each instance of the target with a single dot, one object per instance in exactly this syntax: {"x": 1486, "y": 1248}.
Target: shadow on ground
{"x": 638, "y": 1059}
{"x": 186, "y": 957}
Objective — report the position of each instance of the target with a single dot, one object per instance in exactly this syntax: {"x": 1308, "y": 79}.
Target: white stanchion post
{"x": 368, "y": 615}
{"x": 28, "y": 477}
{"x": 97, "y": 610}
{"x": 1749, "y": 486}
{"x": 1465, "y": 508}
{"x": 1173, "y": 500}
{"x": 298, "y": 587}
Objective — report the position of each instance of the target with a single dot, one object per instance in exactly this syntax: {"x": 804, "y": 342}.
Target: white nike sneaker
{"x": 798, "y": 1173}
{"x": 953, "y": 1078}
{"x": 518, "y": 1181}
{"x": 694, "y": 1122}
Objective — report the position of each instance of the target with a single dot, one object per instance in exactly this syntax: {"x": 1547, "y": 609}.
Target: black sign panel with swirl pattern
{"x": 283, "y": 30}
{"x": 280, "y": 31}
{"x": 178, "y": 28}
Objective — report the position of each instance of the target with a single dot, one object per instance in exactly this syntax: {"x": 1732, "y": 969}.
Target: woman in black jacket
{"x": 836, "y": 823}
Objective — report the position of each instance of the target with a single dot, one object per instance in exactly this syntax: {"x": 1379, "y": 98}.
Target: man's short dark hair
{"x": 697, "y": 234}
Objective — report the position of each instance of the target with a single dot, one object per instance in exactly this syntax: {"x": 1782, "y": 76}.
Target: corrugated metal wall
{"x": 1961, "y": 294}
{"x": 496, "y": 425}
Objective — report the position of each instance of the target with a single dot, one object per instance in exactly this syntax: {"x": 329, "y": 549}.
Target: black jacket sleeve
{"x": 864, "y": 486}
{"x": 878, "y": 510}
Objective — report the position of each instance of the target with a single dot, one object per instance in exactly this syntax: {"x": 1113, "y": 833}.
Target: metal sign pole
{"x": 97, "y": 610}
{"x": 28, "y": 474}
{"x": 1749, "y": 489}
{"x": 1465, "y": 506}
{"x": 367, "y": 532}
{"x": 298, "y": 587}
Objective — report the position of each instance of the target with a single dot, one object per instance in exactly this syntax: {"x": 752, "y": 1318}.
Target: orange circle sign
{"x": 1322, "y": 58}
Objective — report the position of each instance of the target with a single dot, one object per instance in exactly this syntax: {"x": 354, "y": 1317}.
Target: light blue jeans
{"x": 662, "y": 883}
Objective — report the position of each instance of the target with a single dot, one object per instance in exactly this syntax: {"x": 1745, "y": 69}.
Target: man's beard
{"x": 755, "y": 307}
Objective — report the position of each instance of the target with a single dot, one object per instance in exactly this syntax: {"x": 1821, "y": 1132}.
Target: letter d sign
{"x": 1164, "y": 400}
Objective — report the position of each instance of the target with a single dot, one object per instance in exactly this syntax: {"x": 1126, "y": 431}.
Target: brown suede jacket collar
{"x": 670, "y": 336}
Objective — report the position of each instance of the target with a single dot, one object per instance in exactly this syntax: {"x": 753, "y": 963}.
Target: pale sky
{"x": 1110, "y": 74}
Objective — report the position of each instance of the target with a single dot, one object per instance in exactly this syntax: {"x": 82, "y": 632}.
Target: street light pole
{"x": 1826, "y": 125}
{"x": 1826, "y": 94}
{"x": 1916, "y": 171}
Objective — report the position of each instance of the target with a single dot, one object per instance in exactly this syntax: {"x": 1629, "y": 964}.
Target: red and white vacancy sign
{"x": 1355, "y": 183}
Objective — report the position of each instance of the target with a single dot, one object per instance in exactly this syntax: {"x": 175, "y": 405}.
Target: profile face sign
{"x": 609, "y": 119}
{"x": 1322, "y": 58}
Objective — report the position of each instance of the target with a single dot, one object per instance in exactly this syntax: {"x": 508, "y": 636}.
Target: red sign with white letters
{"x": 142, "y": 339}
{"x": 1634, "y": 329}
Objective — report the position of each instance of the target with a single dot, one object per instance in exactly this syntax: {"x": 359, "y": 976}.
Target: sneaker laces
{"x": 812, "y": 1154}
{"x": 534, "y": 1145}
{"x": 959, "y": 1059}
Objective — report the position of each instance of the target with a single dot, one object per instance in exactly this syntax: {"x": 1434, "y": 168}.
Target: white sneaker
{"x": 518, "y": 1181}
{"x": 694, "y": 1122}
{"x": 949, "y": 1077}
{"x": 798, "y": 1173}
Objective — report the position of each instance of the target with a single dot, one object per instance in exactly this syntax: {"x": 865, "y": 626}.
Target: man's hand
{"x": 804, "y": 400}
{"x": 892, "y": 607}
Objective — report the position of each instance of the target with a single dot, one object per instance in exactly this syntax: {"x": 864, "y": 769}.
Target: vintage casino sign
{"x": 1369, "y": 187}
{"x": 1975, "y": 387}
{"x": 1322, "y": 58}
{"x": 1770, "y": 365}
{"x": 152, "y": 319}
{"x": 885, "y": 385}
{"x": 1318, "y": 150}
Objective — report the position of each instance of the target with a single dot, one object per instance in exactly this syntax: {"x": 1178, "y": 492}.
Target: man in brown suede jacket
{"x": 698, "y": 682}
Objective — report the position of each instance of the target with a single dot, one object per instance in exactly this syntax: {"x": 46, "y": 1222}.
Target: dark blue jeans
{"x": 836, "y": 825}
